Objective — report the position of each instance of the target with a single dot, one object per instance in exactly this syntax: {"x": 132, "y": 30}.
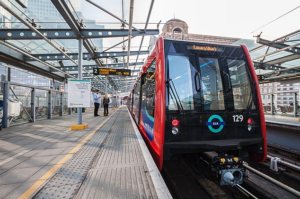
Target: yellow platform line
{"x": 45, "y": 177}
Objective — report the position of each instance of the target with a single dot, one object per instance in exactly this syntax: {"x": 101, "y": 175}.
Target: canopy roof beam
{"x": 25, "y": 34}
{"x": 86, "y": 75}
{"x": 277, "y": 45}
{"x": 90, "y": 67}
{"x": 69, "y": 69}
{"x": 86, "y": 56}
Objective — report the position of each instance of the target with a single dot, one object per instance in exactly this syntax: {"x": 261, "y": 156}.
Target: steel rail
{"x": 285, "y": 163}
{"x": 289, "y": 189}
{"x": 246, "y": 191}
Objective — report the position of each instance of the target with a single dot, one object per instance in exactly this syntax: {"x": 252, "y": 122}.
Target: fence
{"x": 35, "y": 103}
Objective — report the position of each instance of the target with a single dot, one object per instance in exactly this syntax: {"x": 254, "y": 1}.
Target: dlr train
{"x": 196, "y": 97}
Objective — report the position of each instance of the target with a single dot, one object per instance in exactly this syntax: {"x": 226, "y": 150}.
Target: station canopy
{"x": 42, "y": 36}
{"x": 277, "y": 59}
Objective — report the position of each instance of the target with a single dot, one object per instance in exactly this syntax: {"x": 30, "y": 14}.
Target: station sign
{"x": 110, "y": 71}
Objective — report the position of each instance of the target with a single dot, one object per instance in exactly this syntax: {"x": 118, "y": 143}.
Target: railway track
{"x": 289, "y": 159}
{"x": 187, "y": 180}
{"x": 287, "y": 154}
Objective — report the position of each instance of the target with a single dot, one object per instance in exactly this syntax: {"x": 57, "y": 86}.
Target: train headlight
{"x": 175, "y": 130}
{"x": 250, "y": 124}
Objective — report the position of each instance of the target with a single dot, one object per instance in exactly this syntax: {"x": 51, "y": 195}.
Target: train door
{"x": 196, "y": 98}
{"x": 213, "y": 87}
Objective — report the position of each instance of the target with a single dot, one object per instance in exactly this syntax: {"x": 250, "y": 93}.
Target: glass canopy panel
{"x": 34, "y": 46}
{"x": 43, "y": 13}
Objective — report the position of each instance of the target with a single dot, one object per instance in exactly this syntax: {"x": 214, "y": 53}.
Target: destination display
{"x": 205, "y": 48}
{"x": 110, "y": 71}
{"x": 260, "y": 77}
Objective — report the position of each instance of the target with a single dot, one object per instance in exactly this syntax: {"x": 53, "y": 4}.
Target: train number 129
{"x": 238, "y": 118}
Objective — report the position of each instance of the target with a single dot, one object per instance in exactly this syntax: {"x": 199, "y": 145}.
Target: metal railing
{"x": 35, "y": 103}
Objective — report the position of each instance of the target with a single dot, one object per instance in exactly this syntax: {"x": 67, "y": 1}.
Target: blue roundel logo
{"x": 220, "y": 123}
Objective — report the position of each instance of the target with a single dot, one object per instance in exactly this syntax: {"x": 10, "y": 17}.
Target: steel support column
{"x": 61, "y": 105}
{"x": 79, "y": 110}
{"x": 50, "y": 105}
{"x": 32, "y": 104}
{"x": 295, "y": 105}
{"x": 5, "y": 105}
{"x": 272, "y": 105}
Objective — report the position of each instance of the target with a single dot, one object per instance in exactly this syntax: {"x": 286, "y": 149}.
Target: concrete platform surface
{"x": 107, "y": 160}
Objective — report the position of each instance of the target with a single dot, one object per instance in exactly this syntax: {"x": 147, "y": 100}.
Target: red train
{"x": 196, "y": 97}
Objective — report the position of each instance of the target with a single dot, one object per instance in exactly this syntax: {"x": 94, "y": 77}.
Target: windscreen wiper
{"x": 250, "y": 101}
{"x": 176, "y": 97}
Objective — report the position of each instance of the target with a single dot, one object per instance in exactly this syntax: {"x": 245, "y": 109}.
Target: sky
{"x": 228, "y": 18}
{"x": 231, "y": 18}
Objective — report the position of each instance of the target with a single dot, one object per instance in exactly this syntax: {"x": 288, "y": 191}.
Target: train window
{"x": 211, "y": 84}
{"x": 240, "y": 83}
{"x": 136, "y": 101}
{"x": 180, "y": 71}
{"x": 148, "y": 92}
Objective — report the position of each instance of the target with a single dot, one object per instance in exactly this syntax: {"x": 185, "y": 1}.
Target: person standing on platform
{"x": 105, "y": 104}
{"x": 96, "y": 103}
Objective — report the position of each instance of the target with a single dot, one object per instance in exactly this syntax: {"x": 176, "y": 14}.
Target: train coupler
{"x": 229, "y": 170}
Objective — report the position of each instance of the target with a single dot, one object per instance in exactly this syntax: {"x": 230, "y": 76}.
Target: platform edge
{"x": 161, "y": 188}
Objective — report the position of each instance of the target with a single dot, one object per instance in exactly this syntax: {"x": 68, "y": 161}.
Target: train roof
{"x": 195, "y": 42}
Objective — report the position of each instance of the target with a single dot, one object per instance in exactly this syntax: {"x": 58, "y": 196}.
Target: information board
{"x": 79, "y": 93}
{"x": 110, "y": 71}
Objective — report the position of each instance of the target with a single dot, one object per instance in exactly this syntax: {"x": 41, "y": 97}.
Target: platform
{"x": 282, "y": 120}
{"x": 107, "y": 160}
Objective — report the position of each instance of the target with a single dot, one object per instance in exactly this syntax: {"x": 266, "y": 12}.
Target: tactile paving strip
{"x": 120, "y": 171}
{"x": 118, "y": 182}
{"x": 66, "y": 182}
{"x": 65, "y": 192}
{"x": 120, "y": 155}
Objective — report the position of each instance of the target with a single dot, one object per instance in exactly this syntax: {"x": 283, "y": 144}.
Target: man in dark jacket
{"x": 96, "y": 103}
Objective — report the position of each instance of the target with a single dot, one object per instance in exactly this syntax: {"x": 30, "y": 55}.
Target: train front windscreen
{"x": 210, "y": 90}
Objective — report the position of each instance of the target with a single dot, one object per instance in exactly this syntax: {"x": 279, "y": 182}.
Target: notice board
{"x": 79, "y": 93}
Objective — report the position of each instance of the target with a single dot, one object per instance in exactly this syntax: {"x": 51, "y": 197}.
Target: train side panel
{"x": 155, "y": 144}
